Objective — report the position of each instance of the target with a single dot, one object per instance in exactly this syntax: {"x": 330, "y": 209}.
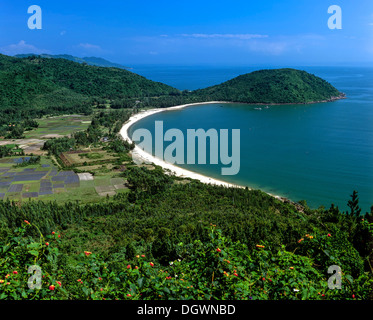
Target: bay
{"x": 318, "y": 152}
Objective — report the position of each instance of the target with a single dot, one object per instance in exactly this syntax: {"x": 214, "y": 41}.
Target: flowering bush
{"x": 216, "y": 269}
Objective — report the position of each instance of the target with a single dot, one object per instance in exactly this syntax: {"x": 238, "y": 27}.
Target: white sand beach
{"x": 148, "y": 158}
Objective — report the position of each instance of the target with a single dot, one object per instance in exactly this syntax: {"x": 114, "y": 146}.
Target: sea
{"x": 319, "y": 152}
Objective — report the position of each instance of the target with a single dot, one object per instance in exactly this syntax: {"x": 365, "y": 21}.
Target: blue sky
{"x": 266, "y": 32}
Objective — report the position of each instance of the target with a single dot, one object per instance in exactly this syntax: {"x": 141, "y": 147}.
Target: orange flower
{"x": 53, "y": 232}
{"x": 87, "y": 253}
{"x": 259, "y": 246}
{"x": 25, "y": 221}
{"x": 300, "y": 240}
{"x": 143, "y": 255}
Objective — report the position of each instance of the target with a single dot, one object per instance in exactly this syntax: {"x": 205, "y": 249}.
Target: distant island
{"x": 274, "y": 86}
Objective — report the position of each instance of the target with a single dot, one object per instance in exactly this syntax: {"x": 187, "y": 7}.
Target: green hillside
{"x": 33, "y": 86}
{"x": 271, "y": 86}
{"x": 93, "y": 61}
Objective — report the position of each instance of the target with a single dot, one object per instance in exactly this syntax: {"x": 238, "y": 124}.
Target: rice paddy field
{"x": 54, "y": 127}
{"x": 43, "y": 181}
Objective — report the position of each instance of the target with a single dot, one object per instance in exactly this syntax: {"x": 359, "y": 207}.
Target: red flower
{"x": 51, "y": 287}
{"x": 59, "y": 283}
{"x": 25, "y": 221}
{"x": 353, "y": 296}
{"x": 128, "y": 295}
{"x": 218, "y": 250}
{"x": 129, "y": 266}
{"x": 53, "y": 232}
{"x": 151, "y": 264}
{"x": 136, "y": 267}
{"x": 15, "y": 272}
{"x": 329, "y": 235}
{"x": 263, "y": 279}
{"x": 87, "y": 253}
{"x": 235, "y": 274}
{"x": 59, "y": 236}
{"x": 143, "y": 255}
{"x": 47, "y": 243}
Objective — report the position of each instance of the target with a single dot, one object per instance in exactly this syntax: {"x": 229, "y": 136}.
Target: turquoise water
{"x": 319, "y": 153}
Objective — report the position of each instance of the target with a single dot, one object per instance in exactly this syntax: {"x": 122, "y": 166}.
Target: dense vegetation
{"x": 32, "y": 87}
{"x": 271, "y": 86}
{"x": 93, "y": 61}
{"x": 160, "y": 242}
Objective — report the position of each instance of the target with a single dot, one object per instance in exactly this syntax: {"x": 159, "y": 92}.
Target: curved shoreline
{"x": 148, "y": 158}
{"x": 177, "y": 171}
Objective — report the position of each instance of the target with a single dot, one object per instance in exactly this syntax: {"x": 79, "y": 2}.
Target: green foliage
{"x": 217, "y": 269}
{"x": 271, "y": 86}
{"x": 353, "y": 204}
{"x": 59, "y": 145}
{"x": 32, "y": 87}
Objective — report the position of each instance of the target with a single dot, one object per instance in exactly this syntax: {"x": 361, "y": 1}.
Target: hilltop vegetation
{"x": 121, "y": 248}
{"x": 271, "y": 86}
{"x": 93, "y": 61}
{"x": 34, "y": 86}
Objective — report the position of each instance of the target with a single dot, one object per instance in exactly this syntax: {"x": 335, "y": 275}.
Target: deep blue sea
{"x": 319, "y": 152}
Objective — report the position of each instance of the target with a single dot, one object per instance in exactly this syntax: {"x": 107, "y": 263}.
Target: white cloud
{"x": 21, "y": 48}
{"x": 244, "y": 36}
{"x": 89, "y": 46}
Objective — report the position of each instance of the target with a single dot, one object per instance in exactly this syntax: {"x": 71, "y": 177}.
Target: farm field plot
{"x": 28, "y": 145}
{"x": 59, "y": 126}
{"x": 43, "y": 181}
{"x": 78, "y": 158}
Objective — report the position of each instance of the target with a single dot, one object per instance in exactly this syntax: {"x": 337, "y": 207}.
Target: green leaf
{"x": 34, "y": 252}
{"x": 349, "y": 278}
